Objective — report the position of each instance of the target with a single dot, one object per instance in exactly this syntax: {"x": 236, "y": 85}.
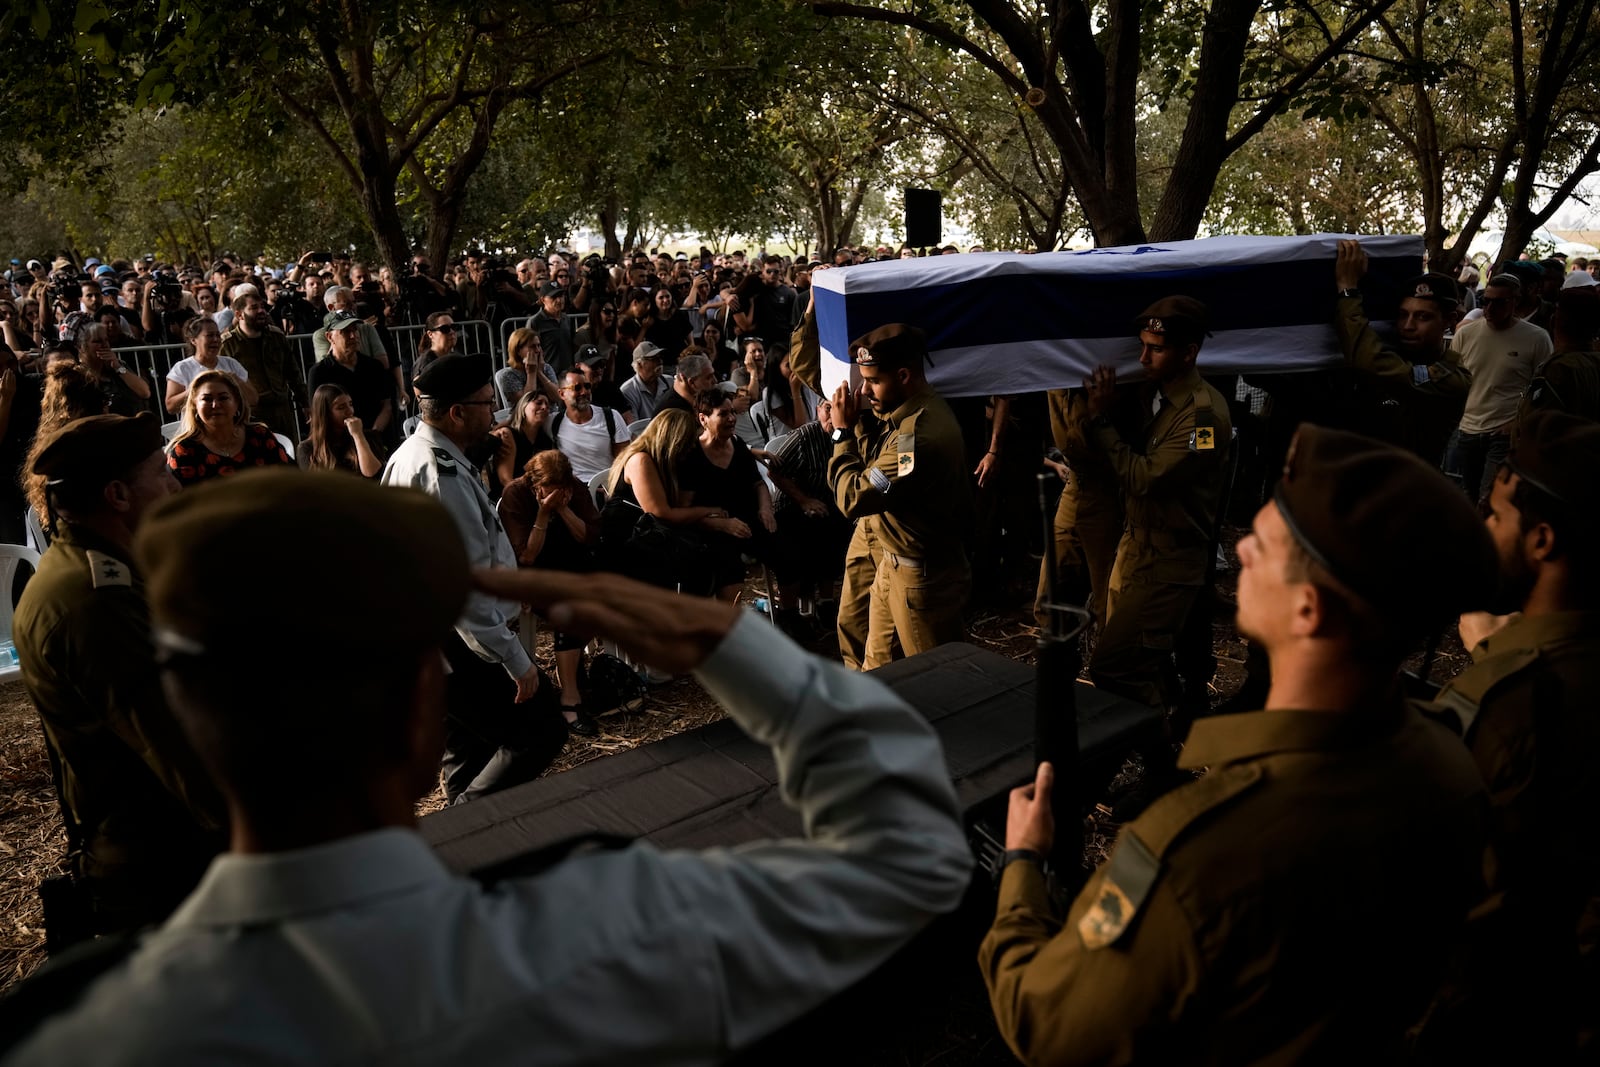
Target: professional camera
{"x": 167, "y": 293}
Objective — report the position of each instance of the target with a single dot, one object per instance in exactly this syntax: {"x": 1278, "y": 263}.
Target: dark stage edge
{"x": 714, "y": 786}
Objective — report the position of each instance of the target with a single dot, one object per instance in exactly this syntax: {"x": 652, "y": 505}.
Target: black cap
{"x": 454, "y": 377}
{"x": 1182, "y": 317}
{"x": 552, "y": 289}
{"x": 895, "y": 345}
{"x": 1363, "y": 510}
{"x": 1434, "y": 286}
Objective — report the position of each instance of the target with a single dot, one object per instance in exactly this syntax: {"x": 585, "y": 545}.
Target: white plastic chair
{"x": 10, "y": 556}
{"x": 597, "y": 487}
{"x": 288, "y": 445}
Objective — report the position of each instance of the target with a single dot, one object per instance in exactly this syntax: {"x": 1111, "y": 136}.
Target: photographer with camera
{"x": 163, "y": 310}
{"x": 421, "y": 294}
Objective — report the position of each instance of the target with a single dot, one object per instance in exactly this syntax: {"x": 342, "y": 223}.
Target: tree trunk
{"x": 608, "y": 227}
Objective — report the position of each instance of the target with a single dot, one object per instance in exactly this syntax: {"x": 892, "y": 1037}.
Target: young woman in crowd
{"x": 338, "y": 441}
{"x": 721, "y": 473}
{"x": 519, "y": 441}
{"x": 69, "y": 393}
{"x": 601, "y": 329}
{"x": 218, "y": 437}
{"x": 439, "y": 336}
{"x": 721, "y": 353}
{"x": 552, "y": 523}
{"x": 646, "y": 480}
{"x": 202, "y": 340}
{"x": 126, "y": 392}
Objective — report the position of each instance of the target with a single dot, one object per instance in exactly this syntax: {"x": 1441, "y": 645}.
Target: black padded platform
{"x": 714, "y": 786}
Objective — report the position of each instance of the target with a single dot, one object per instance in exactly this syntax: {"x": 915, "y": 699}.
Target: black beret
{"x": 894, "y": 345}
{"x": 1434, "y": 286}
{"x": 1183, "y": 316}
{"x": 454, "y": 377}
{"x": 334, "y": 601}
{"x": 1386, "y": 525}
{"x": 98, "y": 449}
{"x": 1558, "y": 454}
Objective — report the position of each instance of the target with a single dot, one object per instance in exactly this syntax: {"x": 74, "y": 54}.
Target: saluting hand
{"x": 844, "y": 406}
{"x": 1030, "y": 823}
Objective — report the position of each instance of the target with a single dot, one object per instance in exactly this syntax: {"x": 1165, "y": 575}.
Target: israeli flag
{"x": 1000, "y": 323}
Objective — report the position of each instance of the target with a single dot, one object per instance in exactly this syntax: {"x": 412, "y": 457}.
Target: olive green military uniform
{"x": 1171, "y": 491}
{"x": 1088, "y": 522}
{"x": 1293, "y": 906}
{"x": 902, "y": 478}
{"x": 275, "y": 374}
{"x": 1568, "y": 382}
{"x": 1527, "y": 706}
{"x": 143, "y": 818}
{"x": 1417, "y": 416}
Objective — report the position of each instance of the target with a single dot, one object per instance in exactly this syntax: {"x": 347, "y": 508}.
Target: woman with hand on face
{"x": 722, "y": 473}
{"x": 203, "y": 341}
{"x": 126, "y": 392}
{"x": 552, "y": 523}
{"x": 218, "y": 437}
{"x": 520, "y": 440}
{"x": 338, "y": 441}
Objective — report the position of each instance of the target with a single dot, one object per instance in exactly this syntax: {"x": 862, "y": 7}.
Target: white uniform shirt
{"x": 367, "y": 950}
{"x": 430, "y": 461}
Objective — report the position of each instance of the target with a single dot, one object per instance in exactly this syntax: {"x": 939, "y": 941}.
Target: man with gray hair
{"x": 694, "y": 376}
{"x": 341, "y": 303}
{"x": 648, "y": 387}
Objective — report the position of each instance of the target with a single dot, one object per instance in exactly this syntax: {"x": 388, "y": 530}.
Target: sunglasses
{"x": 448, "y": 327}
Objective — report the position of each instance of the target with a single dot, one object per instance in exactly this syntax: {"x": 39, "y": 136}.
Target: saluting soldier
{"x": 142, "y": 817}
{"x": 1296, "y": 904}
{"x": 502, "y": 728}
{"x": 1171, "y": 477}
{"x": 1526, "y": 706}
{"x": 899, "y": 471}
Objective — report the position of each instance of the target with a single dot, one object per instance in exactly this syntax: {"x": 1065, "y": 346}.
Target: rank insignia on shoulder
{"x": 446, "y": 463}
{"x": 880, "y": 481}
{"x": 106, "y": 571}
{"x": 1202, "y": 439}
{"x": 1130, "y": 873}
{"x": 907, "y": 463}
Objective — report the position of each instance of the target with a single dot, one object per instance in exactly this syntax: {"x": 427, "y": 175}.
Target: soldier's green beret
{"x": 1558, "y": 454}
{"x": 98, "y": 449}
{"x": 1386, "y": 525}
{"x": 452, "y": 378}
{"x": 351, "y": 566}
{"x": 895, "y": 345}
{"x": 1184, "y": 318}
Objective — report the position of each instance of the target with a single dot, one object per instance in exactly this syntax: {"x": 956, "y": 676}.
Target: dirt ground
{"x": 958, "y": 1032}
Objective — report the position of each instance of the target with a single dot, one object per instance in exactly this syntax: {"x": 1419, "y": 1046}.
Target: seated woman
{"x": 202, "y": 340}
{"x": 525, "y": 366}
{"x": 520, "y": 440}
{"x": 718, "y": 348}
{"x": 722, "y": 473}
{"x": 126, "y": 392}
{"x": 338, "y": 441}
{"x": 552, "y": 523}
{"x": 218, "y": 437}
{"x": 648, "y": 531}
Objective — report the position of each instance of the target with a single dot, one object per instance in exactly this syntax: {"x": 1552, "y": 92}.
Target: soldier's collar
{"x": 90, "y": 540}
{"x": 1222, "y": 739}
{"x": 1182, "y": 387}
{"x": 914, "y": 402}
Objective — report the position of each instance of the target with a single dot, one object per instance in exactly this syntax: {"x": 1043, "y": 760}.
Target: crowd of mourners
{"x": 1375, "y": 866}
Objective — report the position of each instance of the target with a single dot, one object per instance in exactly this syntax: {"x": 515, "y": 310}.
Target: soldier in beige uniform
{"x": 900, "y": 474}
{"x": 142, "y": 817}
{"x": 1088, "y": 523}
{"x": 1171, "y": 477}
{"x": 1296, "y": 904}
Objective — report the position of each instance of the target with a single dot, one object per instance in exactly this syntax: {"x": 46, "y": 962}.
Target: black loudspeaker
{"x": 924, "y": 213}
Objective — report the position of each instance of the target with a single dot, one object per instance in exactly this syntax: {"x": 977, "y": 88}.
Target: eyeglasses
{"x": 448, "y": 327}
{"x": 608, "y": 311}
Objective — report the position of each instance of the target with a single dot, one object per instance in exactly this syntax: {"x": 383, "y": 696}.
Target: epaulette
{"x": 107, "y": 571}
{"x": 1136, "y": 861}
{"x": 446, "y": 465}
{"x": 1461, "y": 700}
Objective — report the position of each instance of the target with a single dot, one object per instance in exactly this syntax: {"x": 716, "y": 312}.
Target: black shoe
{"x": 583, "y": 725}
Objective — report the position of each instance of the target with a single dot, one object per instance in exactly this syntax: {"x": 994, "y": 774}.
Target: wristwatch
{"x": 838, "y": 434}
{"x": 1016, "y": 855}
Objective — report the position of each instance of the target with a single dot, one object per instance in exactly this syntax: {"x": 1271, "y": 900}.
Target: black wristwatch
{"x": 1016, "y": 855}
{"x": 838, "y": 434}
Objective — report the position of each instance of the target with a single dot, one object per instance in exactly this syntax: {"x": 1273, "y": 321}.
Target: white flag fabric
{"x": 1001, "y": 323}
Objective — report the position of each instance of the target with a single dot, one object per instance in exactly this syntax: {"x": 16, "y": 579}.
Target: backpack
{"x": 610, "y": 683}
{"x": 555, "y": 425}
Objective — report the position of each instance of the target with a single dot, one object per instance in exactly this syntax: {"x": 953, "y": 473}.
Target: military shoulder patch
{"x": 1130, "y": 873}
{"x": 1203, "y": 438}
{"x": 906, "y": 463}
{"x": 107, "y": 571}
{"x": 446, "y": 464}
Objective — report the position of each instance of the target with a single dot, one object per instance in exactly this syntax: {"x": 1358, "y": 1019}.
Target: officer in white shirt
{"x": 332, "y": 934}
{"x": 501, "y": 733}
